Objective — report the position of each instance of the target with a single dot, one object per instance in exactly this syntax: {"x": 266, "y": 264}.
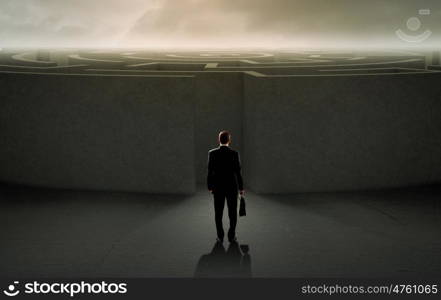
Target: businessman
{"x": 224, "y": 181}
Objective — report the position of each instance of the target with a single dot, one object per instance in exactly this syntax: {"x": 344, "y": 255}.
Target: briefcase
{"x": 242, "y": 209}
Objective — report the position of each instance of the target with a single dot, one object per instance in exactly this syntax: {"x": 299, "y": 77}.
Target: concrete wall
{"x": 29, "y": 59}
{"x": 219, "y": 106}
{"x": 341, "y": 132}
{"x": 152, "y": 134}
{"x": 76, "y": 59}
{"x": 127, "y": 133}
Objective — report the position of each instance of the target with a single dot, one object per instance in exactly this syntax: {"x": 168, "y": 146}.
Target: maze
{"x": 254, "y": 63}
{"x": 303, "y": 121}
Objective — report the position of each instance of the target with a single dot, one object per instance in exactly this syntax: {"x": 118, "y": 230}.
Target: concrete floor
{"x": 50, "y": 233}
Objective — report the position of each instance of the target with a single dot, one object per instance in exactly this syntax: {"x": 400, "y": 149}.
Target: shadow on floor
{"x": 233, "y": 262}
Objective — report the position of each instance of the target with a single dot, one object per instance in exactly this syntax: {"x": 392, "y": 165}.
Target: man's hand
{"x": 211, "y": 191}
{"x": 241, "y": 192}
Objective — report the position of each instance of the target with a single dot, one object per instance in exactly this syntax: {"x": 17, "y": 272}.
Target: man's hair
{"x": 224, "y": 137}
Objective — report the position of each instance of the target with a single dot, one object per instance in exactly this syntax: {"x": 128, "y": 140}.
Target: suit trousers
{"x": 219, "y": 203}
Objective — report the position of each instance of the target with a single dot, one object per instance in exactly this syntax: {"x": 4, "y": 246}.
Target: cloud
{"x": 66, "y": 22}
{"x": 207, "y": 22}
{"x": 277, "y": 21}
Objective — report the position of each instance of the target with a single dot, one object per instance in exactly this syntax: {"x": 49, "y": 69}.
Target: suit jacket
{"x": 224, "y": 170}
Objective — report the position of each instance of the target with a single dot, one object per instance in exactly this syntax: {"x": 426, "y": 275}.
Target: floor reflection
{"x": 233, "y": 262}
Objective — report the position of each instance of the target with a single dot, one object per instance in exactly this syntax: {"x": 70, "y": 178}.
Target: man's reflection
{"x": 234, "y": 262}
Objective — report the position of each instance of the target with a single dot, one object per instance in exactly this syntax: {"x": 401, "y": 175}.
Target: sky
{"x": 215, "y": 23}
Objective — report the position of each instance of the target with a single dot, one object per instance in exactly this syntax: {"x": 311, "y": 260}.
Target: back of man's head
{"x": 224, "y": 137}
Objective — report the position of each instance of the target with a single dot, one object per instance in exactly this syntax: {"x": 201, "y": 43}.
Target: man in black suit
{"x": 224, "y": 180}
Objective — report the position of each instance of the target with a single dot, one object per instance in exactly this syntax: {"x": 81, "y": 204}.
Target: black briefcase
{"x": 242, "y": 209}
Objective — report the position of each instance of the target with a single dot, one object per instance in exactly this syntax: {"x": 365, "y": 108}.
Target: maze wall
{"x": 342, "y": 132}
{"x": 219, "y": 106}
{"x": 95, "y": 132}
{"x": 144, "y": 120}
